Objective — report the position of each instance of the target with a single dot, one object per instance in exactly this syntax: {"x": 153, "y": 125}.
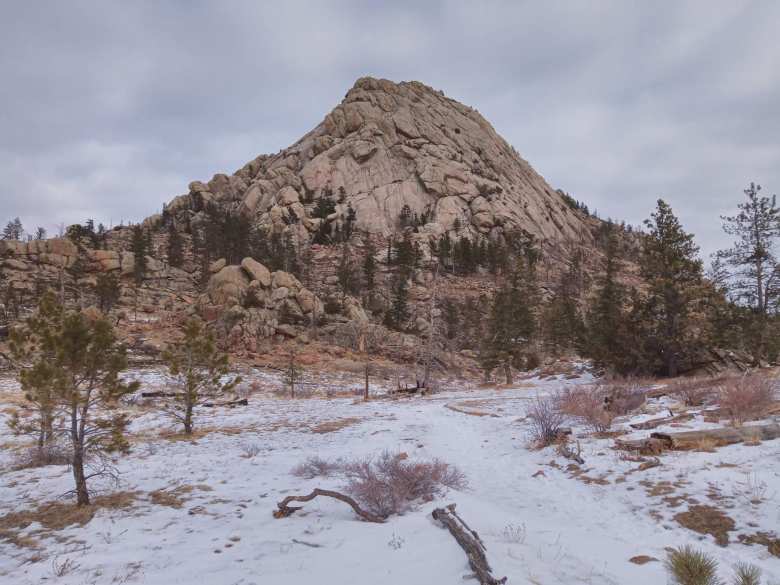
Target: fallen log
{"x": 284, "y": 509}
{"x": 720, "y": 437}
{"x": 642, "y": 446}
{"x": 657, "y": 422}
{"x": 566, "y": 451}
{"x": 470, "y": 542}
{"x": 229, "y": 404}
{"x": 159, "y": 394}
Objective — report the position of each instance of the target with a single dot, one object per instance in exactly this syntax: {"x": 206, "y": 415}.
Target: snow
{"x": 551, "y": 528}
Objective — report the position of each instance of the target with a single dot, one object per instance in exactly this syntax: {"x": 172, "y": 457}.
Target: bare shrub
{"x": 391, "y": 483}
{"x": 747, "y": 397}
{"x": 48, "y": 454}
{"x": 317, "y": 467}
{"x": 588, "y": 404}
{"x": 546, "y": 420}
{"x": 515, "y": 533}
{"x": 694, "y": 391}
{"x": 621, "y": 399}
{"x": 688, "y": 566}
{"x": 746, "y": 574}
{"x": 250, "y": 450}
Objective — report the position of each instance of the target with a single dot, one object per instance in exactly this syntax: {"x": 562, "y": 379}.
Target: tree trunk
{"x": 82, "y": 495}
{"x": 508, "y": 372}
{"x": 188, "y": 418}
{"x": 365, "y": 392}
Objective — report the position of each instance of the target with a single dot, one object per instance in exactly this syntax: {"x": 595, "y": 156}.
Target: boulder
{"x": 228, "y": 286}
{"x": 284, "y": 279}
{"x": 287, "y": 196}
{"x": 217, "y": 265}
{"x": 257, "y": 271}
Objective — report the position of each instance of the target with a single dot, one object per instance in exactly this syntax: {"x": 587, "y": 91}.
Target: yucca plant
{"x": 747, "y": 574}
{"x": 688, "y": 566}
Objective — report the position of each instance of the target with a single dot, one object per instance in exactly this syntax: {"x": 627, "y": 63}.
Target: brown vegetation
{"x": 747, "y": 397}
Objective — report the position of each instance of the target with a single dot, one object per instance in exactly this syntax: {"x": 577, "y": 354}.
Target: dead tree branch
{"x": 285, "y": 510}
{"x": 470, "y": 542}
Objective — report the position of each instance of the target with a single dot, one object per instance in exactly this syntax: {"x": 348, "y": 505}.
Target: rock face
{"x": 390, "y": 145}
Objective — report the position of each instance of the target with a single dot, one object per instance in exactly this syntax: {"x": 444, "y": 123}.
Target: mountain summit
{"x": 389, "y": 145}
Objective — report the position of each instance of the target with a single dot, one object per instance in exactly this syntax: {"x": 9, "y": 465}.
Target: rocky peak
{"x": 389, "y": 145}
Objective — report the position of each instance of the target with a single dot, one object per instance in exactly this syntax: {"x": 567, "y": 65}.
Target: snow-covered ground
{"x": 543, "y": 521}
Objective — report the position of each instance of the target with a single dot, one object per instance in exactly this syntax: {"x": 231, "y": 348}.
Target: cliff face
{"x": 388, "y": 149}
{"x": 388, "y": 145}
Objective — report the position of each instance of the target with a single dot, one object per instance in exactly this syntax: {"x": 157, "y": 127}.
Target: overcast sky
{"x": 108, "y": 108}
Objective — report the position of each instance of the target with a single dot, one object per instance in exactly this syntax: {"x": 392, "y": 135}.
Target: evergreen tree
{"x": 138, "y": 246}
{"x": 398, "y": 314}
{"x": 13, "y": 230}
{"x": 40, "y": 233}
{"x": 323, "y": 208}
{"x": 73, "y": 365}
{"x": 175, "y": 246}
{"x": 512, "y": 325}
{"x": 347, "y": 273}
{"x": 754, "y": 279}
{"x": 673, "y": 275}
{"x": 405, "y": 216}
{"x": 605, "y": 323}
{"x": 563, "y": 322}
{"x": 369, "y": 266}
{"x": 107, "y": 290}
{"x": 200, "y": 370}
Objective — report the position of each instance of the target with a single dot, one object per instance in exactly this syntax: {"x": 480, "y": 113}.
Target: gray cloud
{"x": 110, "y": 108}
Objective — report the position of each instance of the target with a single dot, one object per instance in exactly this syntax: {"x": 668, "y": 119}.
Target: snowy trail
{"x": 549, "y": 528}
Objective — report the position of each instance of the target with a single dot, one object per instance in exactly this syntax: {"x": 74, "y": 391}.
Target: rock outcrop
{"x": 390, "y": 145}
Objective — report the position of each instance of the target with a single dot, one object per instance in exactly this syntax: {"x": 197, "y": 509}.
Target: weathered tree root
{"x": 470, "y": 542}
{"x": 284, "y": 510}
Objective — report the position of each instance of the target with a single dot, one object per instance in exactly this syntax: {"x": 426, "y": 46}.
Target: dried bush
{"x": 695, "y": 391}
{"x": 391, "y": 483}
{"x": 747, "y": 574}
{"x": 317, "y": 467}
{"x": 747, "y": 397}
{"x": 546, "y": 420}
{"x": 50, "y": 454}
{"x": 621, "y": 399}
{"x": 250, "y": 450}
{"x": 688, "y": 566}
{"x": 588, "y": 404}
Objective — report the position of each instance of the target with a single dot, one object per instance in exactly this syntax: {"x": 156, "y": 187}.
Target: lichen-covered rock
{"x": 217, "y": 265}
{"x": 286, "y": 280}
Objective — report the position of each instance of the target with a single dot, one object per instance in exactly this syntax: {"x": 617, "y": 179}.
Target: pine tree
{"x": 564, "y": 324}
{"x": 107, "y": 290}
{"x": 138, "y": 246}
{"x": 605, "y": 322}
{"x": 673, "y": 275}
{"x": 347, "y": 273}
{"x": 398, "y": 314}
{"x": 200, "y": 371}
{"x": 754, "y": 279}
{"x": 512, "y": 325}
{"x": 13, "y": 230}
{"x": 73, "y": 365}
{"x": 175, "y": 246}
{"x": 369, "y": 266}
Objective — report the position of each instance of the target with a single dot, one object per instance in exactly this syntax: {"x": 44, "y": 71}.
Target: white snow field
{"x": 542, "y": 520}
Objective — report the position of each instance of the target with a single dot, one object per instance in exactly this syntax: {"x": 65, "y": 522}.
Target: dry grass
{"x": 40, "y": 457}
{"x": 748, "y": 397}
{"x": 696, "y": 391}
{"x": 54, "y": 516}
{"x": 707, "y": 520}
{"x": 587, "y": 404}
{"x": 174, "y": 497}
{"x": 332, "y": 426}
{"x": 317, "y": 467}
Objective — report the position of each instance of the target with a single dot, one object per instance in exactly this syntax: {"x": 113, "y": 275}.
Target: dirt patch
{"x": 707, "y": 520}
{"x": 767, "y": 539}
{"x": 642, "y": 560}
{"x": 332, "y": 426}
{"x": 54, "y": 516}
{"x": 175, "y": 497}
